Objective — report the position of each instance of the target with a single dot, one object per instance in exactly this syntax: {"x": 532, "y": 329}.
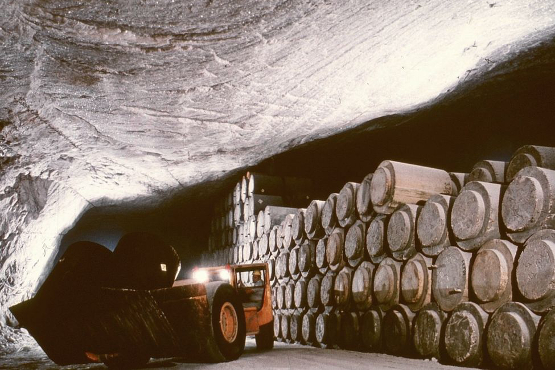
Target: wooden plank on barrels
{"x": 349, "y": 331}
{"x": 416, "y": 282}
{"x": 387, "y": 283}
{"x": 312, "y": 220}
{"x": 535, "y": 271}
{"x": 321, "y": 258}
{"x": 309, "y": 328}
{"x": 530, "y": 156}
{"x": 362, "y": 286}
{"x": 474, "y": 215}
{"x": 450, "y": 278}
{"x": 546, "y": 342}
{"x": 364, "y": 207}
{"x": 313, "y": 292}
{"x": 307, "y": 258}
{"x": 529, "y": 203}
{"x": 326, "y": 289}
{"x": 300, "y": 294}
{"x": 326, "y": 329}
{"x": 491, "y": 274}
{"x": 345, "y": 207}
{"x": 397, "y": 331}
{"x": 510, "y": 336}
{"x": 376, "y": 238}
{"x": 328, "y": 218}
{"x": 459, "y": 180}
{"x": 432, "y": 225}
{"x": 342, "y": 288}
{"x": 464, "y": 337}
{"x": 401, "y": 232}
{"x": 355, "y": 243}
{"x": 335, "y": 249}
{"x": 427, "y": 331}
{"x": 371, "y": 330}
{"x": 274, "y": 216}
{"x": 488, "y": 171}
{"x": 297, "y": 226}
{"x": 396, "y": 183}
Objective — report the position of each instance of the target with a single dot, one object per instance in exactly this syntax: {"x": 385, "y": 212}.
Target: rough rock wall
{"x": 127, "y": 102}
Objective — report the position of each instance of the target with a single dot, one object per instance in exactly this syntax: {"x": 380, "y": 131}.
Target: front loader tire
{"x": 228, "y": 322}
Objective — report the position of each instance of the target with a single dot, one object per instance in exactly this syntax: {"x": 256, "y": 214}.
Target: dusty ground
{"x": 282, "y": 357}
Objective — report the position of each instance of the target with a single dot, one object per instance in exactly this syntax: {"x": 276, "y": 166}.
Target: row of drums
{"x": 485, "y": 283}
{"x": 510, "y": 338}
{"x": 408, "y": 240}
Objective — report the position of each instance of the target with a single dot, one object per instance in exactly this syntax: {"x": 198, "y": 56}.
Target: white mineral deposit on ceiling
{"x": 129, "y": 102}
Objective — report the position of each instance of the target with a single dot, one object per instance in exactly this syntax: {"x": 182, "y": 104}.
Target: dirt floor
{"x": 283, "y": 356}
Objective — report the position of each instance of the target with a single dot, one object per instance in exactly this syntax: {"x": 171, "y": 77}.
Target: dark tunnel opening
{"x": 488, "y": 118}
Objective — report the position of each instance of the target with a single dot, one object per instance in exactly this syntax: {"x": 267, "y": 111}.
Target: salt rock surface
{"x": 124, "y": 103}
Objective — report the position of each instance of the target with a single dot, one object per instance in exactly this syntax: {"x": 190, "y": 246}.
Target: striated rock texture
{"x": 126, "y": 104}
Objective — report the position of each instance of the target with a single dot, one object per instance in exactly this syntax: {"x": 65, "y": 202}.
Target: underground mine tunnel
{"x": 115, "y": 119}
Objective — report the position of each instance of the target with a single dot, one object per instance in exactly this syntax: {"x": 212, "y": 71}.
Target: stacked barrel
{"x": 243, "y": 219}
{"x": 416, "y": 261}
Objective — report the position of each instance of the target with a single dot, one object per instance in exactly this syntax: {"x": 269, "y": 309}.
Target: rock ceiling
{"x": 128, "y": 102}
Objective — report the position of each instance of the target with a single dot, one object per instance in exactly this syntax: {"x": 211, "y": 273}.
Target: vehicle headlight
{"x": 224, "y": 274}
{"x": 201, "y": 276}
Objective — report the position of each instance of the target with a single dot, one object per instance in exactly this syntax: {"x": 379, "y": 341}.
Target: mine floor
{"x": 283, "y": 356}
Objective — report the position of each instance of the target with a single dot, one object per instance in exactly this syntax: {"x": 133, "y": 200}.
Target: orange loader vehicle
{"x": 124, "y": 307}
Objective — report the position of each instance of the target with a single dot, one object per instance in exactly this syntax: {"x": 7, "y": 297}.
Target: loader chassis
{"x": 85, "y": 311}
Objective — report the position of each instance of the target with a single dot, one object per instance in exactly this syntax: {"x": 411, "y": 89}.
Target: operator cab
{"x": 250, "y": 285}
